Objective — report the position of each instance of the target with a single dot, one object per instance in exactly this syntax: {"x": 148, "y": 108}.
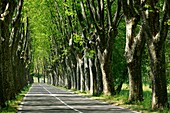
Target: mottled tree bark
{"x": 92, "y": 78}
{"x": 99, "y": 81}
{"x": 78, "y": 75}
{"x": 135, "y": 41}
{"x": 82, "y": 77}
{"x": 2, "y": 101}
{"x": 68, "y": 76}
{"x": 86, "y": 71}
{"x": 6, "y": 18}
{"x": 15, "y": 36}
{"x": 73, "y": 71}
{"x": 156, "y": 29}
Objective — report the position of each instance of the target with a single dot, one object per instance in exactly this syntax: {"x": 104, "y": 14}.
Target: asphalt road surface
{"x": 43, "y": 98}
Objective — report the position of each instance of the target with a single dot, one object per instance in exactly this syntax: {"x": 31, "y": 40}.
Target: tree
{"x": 105, "y": 37}
{"x": 135, "y": 42}
{"x": 156, "y": 26}
{"x": 13, "y": 54}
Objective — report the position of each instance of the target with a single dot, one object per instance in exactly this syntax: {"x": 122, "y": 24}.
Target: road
{"x": 43, "y": 98}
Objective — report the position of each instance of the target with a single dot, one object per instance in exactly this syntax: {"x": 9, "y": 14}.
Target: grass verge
{"x": 13, "y": 105}
{"x": 121, "y": 100}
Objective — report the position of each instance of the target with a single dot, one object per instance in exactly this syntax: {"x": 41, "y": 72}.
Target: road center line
{"x": 61, "y": 100}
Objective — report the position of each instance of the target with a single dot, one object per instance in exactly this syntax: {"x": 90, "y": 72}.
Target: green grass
{"x": 144, "y": 107}
{"x": 13, "y": 105}
{"x": 121, "y": 100}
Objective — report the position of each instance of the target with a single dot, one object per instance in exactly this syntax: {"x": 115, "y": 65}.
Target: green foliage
{"x": 39, "y": 15}
{"x": 119, "y": 62}
{"x": 90, "y": 54}
{"x": 146, "y": 78}
{"x": 147, "y": 6}
{"x": 168, "y": 22}
{"x": 78, "y": 39}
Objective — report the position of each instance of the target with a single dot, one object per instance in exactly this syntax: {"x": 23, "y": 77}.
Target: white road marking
{"x": 61, "y": 100}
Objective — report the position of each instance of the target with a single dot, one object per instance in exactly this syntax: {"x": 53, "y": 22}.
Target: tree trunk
{"x": 54, "y": 74}
{"x": 156, "y": 30}
{"x": 78, "y": 75}
{"x": 91, "y": 76}
{"x": 1, "y": 81}
{"x": 99, "y": 81}
{"x": 7, "y": 65}
{"x": 68, "y": 78}
{"x": 73, "y": 73}
{"x": 15, "y": 36}
{"x": 133, "y": 56}
{"x": 86, "y": 71}
{"x": 57, "y": 75}
{"x": 159, "y": 87}
{"x": 82, "y": 78}
{"x": 106, "y": 69}
{"x": 2, "y": 99}
{"x": 133, "y": 50}
{"x": 135, "y": 80}
{"x": 68, "y": 75}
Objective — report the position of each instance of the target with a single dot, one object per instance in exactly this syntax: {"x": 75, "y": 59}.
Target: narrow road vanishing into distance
{"x": 43, "y": 98}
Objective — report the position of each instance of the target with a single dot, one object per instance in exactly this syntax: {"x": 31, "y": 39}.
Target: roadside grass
{"x": 121, "y": 100}
{"x": 13, "y": 105}
{"x": 143, "y": 107}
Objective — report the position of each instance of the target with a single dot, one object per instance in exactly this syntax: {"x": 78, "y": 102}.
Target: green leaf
{"x": 147, "y": 6}
{"x": 168, "y": 22}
